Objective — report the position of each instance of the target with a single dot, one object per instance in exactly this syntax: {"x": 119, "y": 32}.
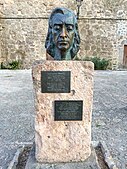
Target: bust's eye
{"x": 70, "y": 27}
{"x": 57, "y": 27}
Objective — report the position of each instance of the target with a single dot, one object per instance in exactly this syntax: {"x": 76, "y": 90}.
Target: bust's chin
{"x": 63, "y": 48}
{"x": 62, "y": 53}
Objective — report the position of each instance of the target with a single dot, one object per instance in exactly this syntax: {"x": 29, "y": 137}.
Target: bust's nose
{"x": 63, "y": 33}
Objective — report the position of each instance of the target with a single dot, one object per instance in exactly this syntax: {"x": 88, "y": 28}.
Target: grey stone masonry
{"x": 23, "y": 29}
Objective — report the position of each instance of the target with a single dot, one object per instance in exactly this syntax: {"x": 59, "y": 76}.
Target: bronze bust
{"x": 62, "y": 42}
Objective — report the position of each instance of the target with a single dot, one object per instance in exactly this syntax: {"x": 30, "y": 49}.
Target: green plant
{"x": 99, "y": 64}
{"x": 14, "y": 64}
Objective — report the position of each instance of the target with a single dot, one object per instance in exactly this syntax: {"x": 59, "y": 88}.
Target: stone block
{"x": 63, "y": 141}
{"x": 90, "y": 163}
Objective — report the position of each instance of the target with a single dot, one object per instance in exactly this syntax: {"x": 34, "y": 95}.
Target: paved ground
{"x": 109, "y": 121}
{"x": 109, "y": 113}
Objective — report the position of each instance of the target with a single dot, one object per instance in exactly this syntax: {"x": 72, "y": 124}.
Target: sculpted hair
{"x": 49, "y": 43}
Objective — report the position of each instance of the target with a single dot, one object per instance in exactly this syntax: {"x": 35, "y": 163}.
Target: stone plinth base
{"x": 89, "y": 163}
{"x": 63, "y": 141}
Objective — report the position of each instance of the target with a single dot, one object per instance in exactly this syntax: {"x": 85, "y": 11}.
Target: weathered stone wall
{"x": 23, "y": 28}
{"x": 104, "y": 38}
{"x": 23, "y": 39}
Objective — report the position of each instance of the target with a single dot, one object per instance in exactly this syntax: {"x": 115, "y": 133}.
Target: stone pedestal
{"x": 63, "y": 141}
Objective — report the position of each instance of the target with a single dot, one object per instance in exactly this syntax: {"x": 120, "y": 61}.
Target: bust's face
{"x": 63, "y": 31}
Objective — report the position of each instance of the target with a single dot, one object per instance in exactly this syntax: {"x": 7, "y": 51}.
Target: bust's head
{"x": 63, "y": 40}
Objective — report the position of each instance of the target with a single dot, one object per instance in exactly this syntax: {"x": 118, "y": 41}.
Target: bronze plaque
{"x": 68, "y": 110}
{"x": 55, "y": 81}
